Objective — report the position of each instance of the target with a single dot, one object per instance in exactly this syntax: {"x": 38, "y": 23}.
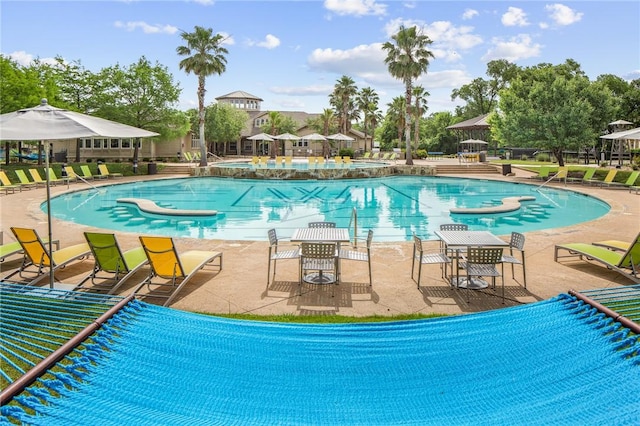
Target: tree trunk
{"x": 78, "y": 147}
{"x": 407, "y": 123}
{"x": 557, "y": 152}
{"x": 201, "y": 111}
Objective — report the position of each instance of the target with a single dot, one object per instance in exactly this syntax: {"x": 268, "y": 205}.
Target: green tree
{"x": 396, "y": 114}
{"x": 367, "y": 102}
{"x": 205, "y": 56}
{"x": 407, "y": 59}
{"x": 435, "y": 132}
{"x": 343, "y": 100}
{"x": 224, "y": 124}
{"x": 142, "y": 95}
{"x": 18, "y": 87}
{"x": 546, "y": 108}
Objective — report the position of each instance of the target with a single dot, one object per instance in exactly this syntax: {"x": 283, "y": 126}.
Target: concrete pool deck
{"x": 241, "y": 287}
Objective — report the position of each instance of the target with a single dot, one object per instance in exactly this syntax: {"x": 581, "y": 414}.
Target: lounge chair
{"x": 9, "y": 249}
{"x": 588, "y": 175}
{"x": 626, "y": 263}
{"x": 613, "y": 244}
{"x": 36, "y": 256}
{"x": 102, "y": 168}
{"x": 543, "y": 174}
{"x": 367, "y": 155}
{"x": 386, "y": 156}
{"x": 24, "y": 180}
{"x": 375, "y": 155}
{"x": 627, "y": 184}
{"x": 71, "y": 174}
{"x": 55, "y": 179}
{"x": 87, "y": 175}
{"x": 188, "y": 157}
{"x": 115, "y": 265}
{"x": 175, "y": 270}
{"x": 36, "y": 177}
{"x": 607, "y": 179}
{"x": 7, "y": 185}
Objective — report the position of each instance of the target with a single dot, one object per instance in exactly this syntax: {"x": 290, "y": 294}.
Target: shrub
{"x": 346, "y": 152}
{"x": 421, "y": 153}
{"x": 543, "y": 157}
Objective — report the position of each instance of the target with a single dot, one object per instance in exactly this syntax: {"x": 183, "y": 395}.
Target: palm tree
{"x": 419, "y": 109}
{"x": 368, "y": 104}
{"x": 407, "y": 59}
{"x": 395, "y": 113}
{"x": 204, "y": 57}
{"x": 327, "y": 119}
{"x": 275, "y": 120}
{"x": 342, "y": 99}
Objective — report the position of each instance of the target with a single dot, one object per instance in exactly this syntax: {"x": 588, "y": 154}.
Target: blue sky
{"x": 291, "y": 53}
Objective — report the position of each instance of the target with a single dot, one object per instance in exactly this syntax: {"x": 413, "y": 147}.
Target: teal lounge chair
{"x": 112, "y": 266}
{"x": 626, "y": 263}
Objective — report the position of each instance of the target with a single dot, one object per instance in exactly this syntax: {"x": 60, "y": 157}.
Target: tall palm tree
{"x": 368, "y": 104}
{"x": 396, "y": 113}
{"x": 407, "y": 59}
{"x": 419, "y": 109}
{"x": 204, "y": 57}
{"x": 342, "y": 99}
{"x": 275, "y": 120}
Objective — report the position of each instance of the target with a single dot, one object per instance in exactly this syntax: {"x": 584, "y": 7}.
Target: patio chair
{"x": 87, "y": 175}
{"x": 543, "y": 174}
{"x": 104, "y": 171}
{"x": 453, "y": 227}
{"x": 367, "y": 155}
{"x": 626, "y": 263}
{"x": 319, "y": 257}
{"x": 386, "y": 156}
{"x": 7, "y": 185}
{"x": 338, "y": 160}
{"x": 38, "y": 262}
{"x": 321, "y": 225}
{"x": 9, "y": 249}
{"x": 516, "y": 243}
{"x": 427, "y": 258}
{"x": 586, "y": 177}
{"x": 276, "y": 254}
{"x": 481, "y": 262}
{"x": 25, "y": 182}
{"x": 71, "y": 174}
{"x": 115, "y": 265}
{"x": 320, "y": 160}
{"x": 613, "y": 244}
{"x": 375, "y": 155}
{"x": 358, "y": 255}
{"x": 171, "y": 270}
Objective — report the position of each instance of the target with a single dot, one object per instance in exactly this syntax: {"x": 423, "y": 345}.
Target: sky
{"x": 292, "y": 53}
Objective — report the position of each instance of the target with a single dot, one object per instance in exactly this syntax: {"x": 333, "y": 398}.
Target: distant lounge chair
{"x": 375, "y": 155}
{"x": 543, "y": 173}
{"x": 588, "y": 175}
{"x": 55, "y": 179}
{"x": 173, "y": 269}
{"x": 37, "y": 256}
{"x": 24, "y": 180}
{"x": 607, "y": 179}
{"x": 626, "y": 263}
{"x": 71, "y": 174}
{"x": 7, "y": 185}
{"x": 627, "y": 184}
{"x": 115, "y": 265}
{"x": 105, "y": 171}
{"x": 35, "y": 175}
{"x": 367, "y": 155}
{"x": 86, "y": 173}
{"x": 386, "y": 156}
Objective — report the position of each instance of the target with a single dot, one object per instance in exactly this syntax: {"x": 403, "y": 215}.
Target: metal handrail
{"x": 354, "y": 220}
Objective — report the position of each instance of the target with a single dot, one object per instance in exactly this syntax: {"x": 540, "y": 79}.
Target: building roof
{"x": 479, "y": 122}
{"x": 239, "y": 94}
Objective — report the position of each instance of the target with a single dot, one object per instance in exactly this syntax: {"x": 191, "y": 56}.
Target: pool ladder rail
{"x": 354, "y": 221}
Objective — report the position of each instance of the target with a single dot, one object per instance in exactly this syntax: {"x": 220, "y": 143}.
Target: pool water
{"x": 394, "y": 207}
{"x": 303, "y": 165}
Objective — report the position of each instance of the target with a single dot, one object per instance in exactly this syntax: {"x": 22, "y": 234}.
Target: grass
{"x": 326, "y": 319}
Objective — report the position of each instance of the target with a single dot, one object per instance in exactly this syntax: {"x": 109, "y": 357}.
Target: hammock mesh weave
{"x": 557, "y": 361}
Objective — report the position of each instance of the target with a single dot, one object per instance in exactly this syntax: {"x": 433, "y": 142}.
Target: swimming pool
{"x": 394, "y": 207}
{"x": 302, "y": 165}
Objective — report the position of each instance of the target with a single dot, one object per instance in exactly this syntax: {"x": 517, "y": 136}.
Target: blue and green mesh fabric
{"x": 553, "y": 362}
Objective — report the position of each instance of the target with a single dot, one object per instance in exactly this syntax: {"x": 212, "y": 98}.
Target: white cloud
{"x": 269, "y": 42}
{"x": 515, "y": 17}
{"x": 444, "y": 34}
{"x": 444, "y": 79}
{"x": 469, "y": 13}
{"x": 543, "y": 25}
{"x": 25, "y": 59}
{"x": 227, "y": 39}
{"x": 513, "y": 49}
{"x": 409, "y": 5}
{"x": 358, "y": 61}
{"x": 563, "y": 15}
{"x": 355, "y": 7}
{"x": 146, "y": 28}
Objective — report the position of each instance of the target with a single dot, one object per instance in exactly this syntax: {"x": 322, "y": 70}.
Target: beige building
{"x": 112, "y": 149}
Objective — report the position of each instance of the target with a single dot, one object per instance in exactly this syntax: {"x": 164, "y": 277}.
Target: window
{"x": 97, "y": 143}
{"x": 126, "y": 143}
{"x": 115, "y": 143}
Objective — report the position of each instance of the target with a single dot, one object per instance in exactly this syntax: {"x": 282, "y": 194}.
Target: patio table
{"x": 321, "y": 235}
{"x": 460, "y": 240}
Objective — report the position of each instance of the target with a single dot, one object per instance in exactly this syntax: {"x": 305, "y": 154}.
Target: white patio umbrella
{"x": 620, "y": 123}
{"x": 340, "y": 137}
{"x": 625, "y": 134}
{"x": 314, "y": 137}
{"x": 260, "y": 137}
{"x": 47, "y": 123}
{"x": 285, "y": 137}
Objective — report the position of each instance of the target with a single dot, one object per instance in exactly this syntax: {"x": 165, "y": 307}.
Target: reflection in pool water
{"x": 394, "y": 207}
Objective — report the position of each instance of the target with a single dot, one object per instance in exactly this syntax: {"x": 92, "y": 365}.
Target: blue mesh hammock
{"x": 557, "y": 361}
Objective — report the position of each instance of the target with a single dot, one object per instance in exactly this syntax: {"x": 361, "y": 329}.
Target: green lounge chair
{"x": 588, "y": 175}
{"x": 55, "y": 179}
{"x": 24, "y": 180}
{"x": 607, "y": 179}
{"x": 87, "y": 175}
{"x": 112, "y": 266}
{"x": 104, "y": 171}
{"x": 626, "y": 263}
{"x": 543, "y": 173}
{"x": 37, "y": 261}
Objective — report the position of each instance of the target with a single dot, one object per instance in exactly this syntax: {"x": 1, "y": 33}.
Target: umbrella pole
{"x": 50, "y": 242}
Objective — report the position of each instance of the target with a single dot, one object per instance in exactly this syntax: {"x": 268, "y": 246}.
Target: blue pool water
{"x": 302, "y": 165}
{"x": 394, "y": 207}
